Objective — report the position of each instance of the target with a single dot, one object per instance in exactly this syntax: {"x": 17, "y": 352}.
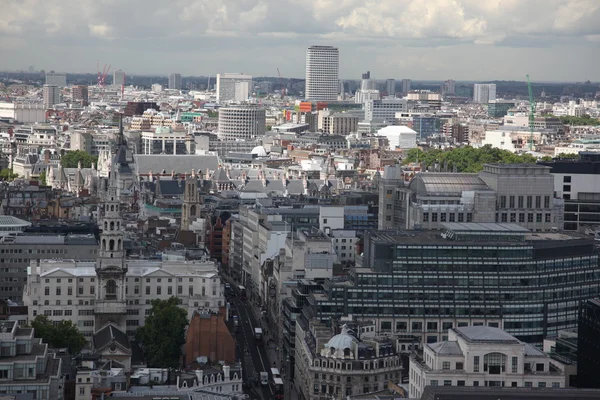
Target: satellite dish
{"x": 202, "y": 360}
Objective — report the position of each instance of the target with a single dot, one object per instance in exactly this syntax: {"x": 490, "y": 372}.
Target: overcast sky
{"x": 552, "y": 40}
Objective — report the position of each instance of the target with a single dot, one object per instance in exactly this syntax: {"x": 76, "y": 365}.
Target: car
{"x": 227, "y": 286}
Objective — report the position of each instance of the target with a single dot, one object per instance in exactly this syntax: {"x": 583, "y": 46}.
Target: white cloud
{"x": 103, "y": 31}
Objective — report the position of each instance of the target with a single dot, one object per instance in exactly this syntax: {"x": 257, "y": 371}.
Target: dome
{"x": 341, "y": 341}
{"x": 259, "y": 151}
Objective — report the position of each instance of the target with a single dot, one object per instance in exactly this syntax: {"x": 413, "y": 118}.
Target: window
{"x": 504, "y": 217}
{"x": 528, "y": 384}
{"x": 448, "y": 383}
{"x": 469, "y": 217}
{"x": 566, "y": 188}
{"x": 542, "y": 384}
{"x": 555, "y": 385}
{"x": 494, "y": 363}
{"x": 513, "y": 217}
{"x": 515, "y": 364}
{"x": 433, "y": 382}
{"x": 520, "y": 201}
{"x": 539, "y": 367}
{"x": 475, "y": 383}
{"x": 47, "y": 290}
{"x": 461, "y": 217}
{"x": 452, "y": 217}
{"x": 529, "y": 217}
{"x": 476, "y": 364}
{"x": 170, "y": 290}
{"x": 147, "y": 289}
{"x": 521, "y": 217}
{"x": 529, "y": 201}
{"x": 434, "y": 217}
{"x": 511, "y": 202}
{"x": 80, "y": 290}
{"x": 502, "y": 201}
{"x": 58, "y": 290}
{"x": 460, "y": 383}
{"x": 538, "y": 201}
{"x": 82, "y": 391}
{"x": 546, "y": 201}
{"x": 158, "y": 290}
{"x": 446, "y": 365}
{"x": 548, "y": 217}
{"x": 425, "y": 217}
{"x": 459, "y": 367}
{"x": 538, "y": 217}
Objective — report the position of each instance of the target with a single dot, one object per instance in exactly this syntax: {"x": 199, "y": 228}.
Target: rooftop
{"x": 485, "y": 334}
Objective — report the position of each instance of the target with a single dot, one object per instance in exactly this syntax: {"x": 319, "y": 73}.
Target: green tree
{"x": 62, "y": 335}
{"x": 42, "y": 178}
{"x": 546, "y": 159}
{"x": 570, "y": 156}
{"x": 7, "y": 174}
{"x": 583, "y": 120}
{"x": 163, "y": 333}
{"x": 71, "y": 159}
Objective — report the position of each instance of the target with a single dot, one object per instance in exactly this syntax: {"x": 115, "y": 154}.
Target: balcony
{"x": 110, "y": 307}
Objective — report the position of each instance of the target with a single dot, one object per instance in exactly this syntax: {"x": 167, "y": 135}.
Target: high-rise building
{"x": 322, "y": 73}
{"x": 56, "y": 79}
{"x": 384, "y": 110}
{"x": 79, "y": 93}
{"x": 244, "y": 122}
{"x": 405, "y": 86}
{"x": 229, "y": 88}
{"x": 390, "y": 87}
{"x": 588, "y": 346}
{"x": 51, "y": 95}
{"x": 118, "y": 78}
{"x": 484, "y": 92}
{"x": 450, "y": 86}
{"x": 175, "y": 81}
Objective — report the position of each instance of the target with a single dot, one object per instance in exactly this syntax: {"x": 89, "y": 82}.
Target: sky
{"x": 551, "y": 40}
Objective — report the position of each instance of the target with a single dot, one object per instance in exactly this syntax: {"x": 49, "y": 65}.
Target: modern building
{"x": 450, "y": 86}
{"x": 175, "y": 81}
{"x": 426, "y": 125}
{"x": 337, "y": 123}
{"x": 483, "y": 93}
{"x": 499, "y": 108}
{"x": 233, "y": 87}
{"x": 384, "y": 110}
{"x": 241, "y": 122}
{"x": 56, "y": 79}
{"x": 322, "y": 73}
{"x": 405, "y": 86}
{"x": 482, "y": 356}
{"x": 424, "y": 99}
{"x": 79, "y": 93}
{"x": 27, "y": 365}
{"x": 588, "y": 346}
{"x": 164, "y": 140}
{"x": 390, "y": 87}
{"x": 118, "y": 78}
{"x": 399, "y": 137}
{"x": 26, "y": 113}
{"x": 342, "y": 365}
{"x": 51, "y": 95}
{"x": 423, "y": 283}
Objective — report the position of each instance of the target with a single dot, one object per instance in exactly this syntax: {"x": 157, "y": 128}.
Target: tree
{"x": 163, "y": 333}
{"x": 7, "y": 174}
{"x": 62, "y": 335}
{"x": 42, "y": 178}
{"x": 72, "y": 158}
{"x": 568, "y": 156}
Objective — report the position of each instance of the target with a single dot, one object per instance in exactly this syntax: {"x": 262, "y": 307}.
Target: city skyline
{"x": 421, "y": 40}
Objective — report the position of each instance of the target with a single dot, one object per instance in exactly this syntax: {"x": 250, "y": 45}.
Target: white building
{"x": 343, "y": 242}
{"x": 118, "y": 78}
{"x": 51, "y": 95}
{"x": 482, "y": 356}
{"x": 390, "y": 87}
{"x": 243, "y": 122}
{"x": 56, "y": 79}
{"x": 384, "y": 110}
{"x": 174, "y": 81}
{"x": 164, "y": 140}
{"x": 322, "y": 73}
{"x": 23, "y": 112}
{"x": 399, "y": 137}
{"x": 484, "y": 92}
{"x": 405, "y": 86}
{"x": 230, "y": 87}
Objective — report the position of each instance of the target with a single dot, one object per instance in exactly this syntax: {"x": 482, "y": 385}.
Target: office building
{"x": 405, "y": 86}
{"x": 483, "y": 93}
{"x": 482, "y": 356}
{"x": 175, "y": 81}
{"x": 165, "y": 140}
{"x": 424, "y": 99}
{"x": 322, "y": 73}
{"x": 588, "y": 345}
{"x": 465, "y": 91}
{"x": 56, "y": 79}
{"x": 51, "y": 95}
{"x": 499, "y": 108}
{"x": 426, "y": 125}
{"x": 118, "y": 78}
{"x": 390, "y": 87}
{"x": 233, "y": 87}
{"x": 79, "y": 93}
{"x": 423, "y": 283}
{"x": 28, "y": 366}
{"x": 450, "y": 86}
{"x": 241, "y": 122}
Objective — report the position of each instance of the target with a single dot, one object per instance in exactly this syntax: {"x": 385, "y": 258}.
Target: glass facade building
{"x": 501, "y": 275}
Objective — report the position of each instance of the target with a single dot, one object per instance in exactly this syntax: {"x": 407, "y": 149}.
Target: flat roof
{"x": 483, "y": 227}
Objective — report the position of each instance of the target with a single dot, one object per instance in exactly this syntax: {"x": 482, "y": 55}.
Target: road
{"x": 254, "y": 358}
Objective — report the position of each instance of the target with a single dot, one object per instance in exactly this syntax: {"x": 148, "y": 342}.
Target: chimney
{"x": 200, "y": 377}
{"x": 172, "y": 174}
{"x": 46, "y": 156}
{"x": 226, "y": 373}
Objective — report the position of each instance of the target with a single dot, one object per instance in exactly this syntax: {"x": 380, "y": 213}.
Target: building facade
{"x": 233, "y": 87}
{"x": 51, "y": 95}
{"x": 175, "y": 81}
{"x": 322, "y": 73}
{"x": 483, "y": 93}
{"x": 588, "y": 347}
{"x": 243, "y": 122}
{"x": 56, "y": 79}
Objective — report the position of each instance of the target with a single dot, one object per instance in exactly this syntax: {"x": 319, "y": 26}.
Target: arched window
{"x": 193, "y": 211}
{"x": 111, "y": 290}
{"x": 119, "y": 245}
{"x": 103, "y": 244}
{"x": 347, "y": 352}
{"x": 112, "y": 225}
{"x": 111, "y": 245}
{"x": 494, "y": 363}
{"x": 105, "y": 225}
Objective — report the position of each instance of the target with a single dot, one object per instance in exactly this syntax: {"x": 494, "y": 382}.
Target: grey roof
{"x": 180, "y": 163}
{"x": 446, "y": 348}
{"x": 110, "y": 334}
{"x": 427, "y": 183}
{"x": 533, "y": 351}
{"x": 483, "y": 227}
{"x": 505, "y": 393}
{"x": 9, "y": 220}
{"x": 485, "y": 334}
{"x": 39, "y": 239}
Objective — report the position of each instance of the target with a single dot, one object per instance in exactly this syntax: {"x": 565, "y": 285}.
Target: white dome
{"x": 259, "y": 151}
{"x": 341, "y": 341}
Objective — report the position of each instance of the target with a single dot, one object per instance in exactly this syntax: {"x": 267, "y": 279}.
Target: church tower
{"x": 192, "y": 202}
{"x": 111, "y": 269}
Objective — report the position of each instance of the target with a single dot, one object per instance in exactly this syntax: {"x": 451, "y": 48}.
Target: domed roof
{"x": 259, "y": 151}
{"x": 342, "y": 341}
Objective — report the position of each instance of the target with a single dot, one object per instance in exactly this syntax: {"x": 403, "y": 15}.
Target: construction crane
{"x": 102, "y": 75}
{"x": 281, "y": 84}
{"x": 531, "y": 113}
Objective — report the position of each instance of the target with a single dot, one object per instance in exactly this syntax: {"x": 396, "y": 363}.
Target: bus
{"x": 278, "y": 388}
{"x": 258, "y": 336}
{"x": 242, "y": 292}
{"x": 275, "y": 373}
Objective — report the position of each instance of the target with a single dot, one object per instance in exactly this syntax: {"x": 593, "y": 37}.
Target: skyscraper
{"x": 118, "y": 78}
{"x": 55, "y": 78}
{"x": 233, "y": 87}
{"x": 405, "y": 86}
{"x": 80, "y": 93}
{"x": 322, "y": 73}
{"x": 51, "y": 95}
{"x": 450, "y": 86}
{"x": 484, "y": 92}
{"x": 175, "y": 81}
{"x": 390, "y": 87}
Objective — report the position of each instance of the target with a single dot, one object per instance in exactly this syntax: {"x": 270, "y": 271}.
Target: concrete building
{"x": 79, "y": 93}
{"x": 27, "y": 365}
{"x": 164, "y": 140}
{"x": 424, "y": 99}
{"x": 175, "y": 81}
{"x": 499, "y": 108}
{"x": 337, "y": 123}
{"x": 233, "y": 87}
{"x": 51, "y": 95}
{"x": 26, "y": 113}
{"x": 56, "y": 79}
{"x": 483, "y": 93}
{"x": 322, "y": 73}
{"x": 588, "y": 346}
{"x": 450, "y": 86}
{"x": 405, "y": 86}
{"x": 342, "y": 365}
{"x": 118, "y": 78}
{"x": 390, "y": 87}
{"x": 384, "y": 110}
{"x": 399, "y": 137}
{"x": 482, "y": 356}
{"x": 90, "y": 142}
{"x": 241, "y": 122}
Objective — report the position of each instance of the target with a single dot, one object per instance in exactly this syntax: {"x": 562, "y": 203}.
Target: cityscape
{"x": 361, "y": 211}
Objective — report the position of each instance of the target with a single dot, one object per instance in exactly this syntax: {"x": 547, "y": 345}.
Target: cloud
{"x": 101, "y": 31}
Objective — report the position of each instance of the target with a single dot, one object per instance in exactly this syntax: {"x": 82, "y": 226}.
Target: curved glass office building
{"x": 501, "y": 275}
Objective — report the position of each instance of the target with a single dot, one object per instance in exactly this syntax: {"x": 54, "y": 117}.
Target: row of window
{"x": 520, "y": 202}
{"x": 435, "y": 382}
{"x": 448, "y": 217}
